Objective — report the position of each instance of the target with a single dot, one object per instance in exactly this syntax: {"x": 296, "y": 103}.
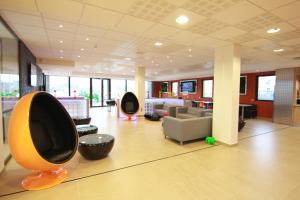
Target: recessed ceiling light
{"x": 87, "y": 39}
{"x": 61, "y": 41}
{"x": 124, "y": 74}
{"x": 61, "y": 26}
{"x": 257, "y": 70}
{"x": 127, "y": 58}
{"x": 273, "y": 30}
{"x": 182, "y": 19}
{"x": 61, "y": 57}
{"x": 278, "y": 50}
{"x": 82, "y": 49}
{"x": 152, "y": 61}
{"x": 190, "y": 56}
{"x": 78, "y": 56}
{"x": 132, "y": 71}
{"x": 61, "y": 51}
{"x": 155, "y": 73}
{"x": 171, "y": 60}
{"x": 168, "y": 57}
{"x": 190, "y": 50}
{"x": 158, "y": 44}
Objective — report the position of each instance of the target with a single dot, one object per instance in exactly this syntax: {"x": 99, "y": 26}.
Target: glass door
{"x": 96, "y": 92}
{"x": 106, "y": 90}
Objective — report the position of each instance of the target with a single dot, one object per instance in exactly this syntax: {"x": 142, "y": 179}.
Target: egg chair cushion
{"x": 129, "y": 104}
{"x": 52, "y": 130}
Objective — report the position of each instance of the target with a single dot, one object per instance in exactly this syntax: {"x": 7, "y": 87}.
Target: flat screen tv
{"x": 189, "y": 86}
{"x": 164, "y": 87}
{"x": 243, "y": 85}
{"x": 32, "y": 75}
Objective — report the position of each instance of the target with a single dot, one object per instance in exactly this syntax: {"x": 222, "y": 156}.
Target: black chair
{"x": 129, "y": 104}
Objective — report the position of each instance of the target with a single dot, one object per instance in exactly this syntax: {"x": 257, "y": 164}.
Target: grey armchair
{"x": 187, "y": 129}
{"x": 191, "y": 112}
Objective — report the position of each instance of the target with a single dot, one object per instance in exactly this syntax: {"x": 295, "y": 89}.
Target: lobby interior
{"x": 192, "y": 70}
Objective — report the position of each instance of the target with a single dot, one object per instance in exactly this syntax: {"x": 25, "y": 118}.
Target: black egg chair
{"x": 129, "y": 104}
{"x": 42, "y": 138}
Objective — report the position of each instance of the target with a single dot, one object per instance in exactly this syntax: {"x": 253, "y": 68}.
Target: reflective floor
{"x": 144, "y": 165}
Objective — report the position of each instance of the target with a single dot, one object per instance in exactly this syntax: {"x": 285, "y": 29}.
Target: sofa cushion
{"x": 194, "y": 111}
{"x": 185, "y": 116}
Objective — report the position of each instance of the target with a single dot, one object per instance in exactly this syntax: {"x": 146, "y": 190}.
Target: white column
{"x": 140, "y": 88}
{"x": 227, "y": 68}
{"x": 1, "y": 140}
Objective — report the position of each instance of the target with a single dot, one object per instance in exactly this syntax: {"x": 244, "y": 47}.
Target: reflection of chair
{"x": 42, "y": 137}
{"x": 129, "y": 104}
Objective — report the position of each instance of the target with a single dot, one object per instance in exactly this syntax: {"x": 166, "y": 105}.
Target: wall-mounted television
{"x": 164, "y": 87}
{"x": 189, "y": 86}
{"x": 32, "y": 75}
{"x": 243, "y": 85}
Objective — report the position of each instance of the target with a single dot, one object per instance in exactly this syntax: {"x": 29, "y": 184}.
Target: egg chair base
{"x": 39, "y": 180}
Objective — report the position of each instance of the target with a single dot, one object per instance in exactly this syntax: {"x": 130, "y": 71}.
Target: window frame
{"x": 256, "y": 90}
{"x": 212, "y": 94}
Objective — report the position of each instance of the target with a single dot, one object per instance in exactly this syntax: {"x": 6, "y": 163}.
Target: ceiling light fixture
{"x": 132, "y": 71}
{"x": 82, "y": 49}
{"x": 61, "y": 41}
{"x": 61, "y": 26}
{"x": 87, "y": 39}
{"x": 190, "y": 56}
{"x": 273, "y": 30}
{"x": 190, "y": 50}
{"x": 78, "y": 56}
{"x": 155, "y": 73}
{"x": 152, "y": 61}
{"x": 168, "y": 57}
{"x": 158, "y": 44}
{"x": 278, "y": 50}
{"x": 61, "y": 57}
{"x": 171, "y": 60}
{"x": 61, "y": 51}
{"x": 182, "y": 19}
{"x": 127, "y": 58}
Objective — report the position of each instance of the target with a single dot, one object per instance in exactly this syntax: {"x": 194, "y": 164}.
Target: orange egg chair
{"x": 129, "y": 104}
{"x": 42, "y": 137}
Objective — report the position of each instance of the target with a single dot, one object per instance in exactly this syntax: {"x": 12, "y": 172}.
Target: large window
{"x": 118, "y": 87}
{"x": 80, "y": 86}
{"x": 130, "y": 86}
{"x": 59, "y": 86}
{"x": 265, "y": 88}
{"x": 174, "y": 88}
{"x": 207, "y": 88}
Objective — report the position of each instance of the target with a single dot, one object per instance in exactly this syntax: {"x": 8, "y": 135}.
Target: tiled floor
{"x": 143, "y": 165}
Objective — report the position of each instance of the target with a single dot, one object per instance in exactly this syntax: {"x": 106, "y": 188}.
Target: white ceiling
{"x": 129, "y": 28}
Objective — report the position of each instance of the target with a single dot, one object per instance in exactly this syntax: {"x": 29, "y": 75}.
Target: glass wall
{"x": 58, "y": 86}
{"x": 118, "y": 88}
{"x": 80, "y": 87}
{"x": 175, "y": 89}
{"x": 9, "y": 83}
{"x": 130, "y": 86}
{"x": 96, "y": 92}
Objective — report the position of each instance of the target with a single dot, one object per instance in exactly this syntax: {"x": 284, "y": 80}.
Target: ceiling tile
{"x": 132, "y": 25}
{"x": 153, "y": 10}
{"x": 261, "y": 21}
{"x": 209, "y": 7}
{"x": 238, "y": 13}
{"x": 90, "y": 31}
{"x": 66, "y": 45}
{"x": 55, "y": 25}
{"x": 247, "y": 37}
{"x": 117, "y": 5}
{"x": 160, "y": 31}
{"x": 22, "y": 6}
{"x": 208, "y": 26}
{"x": 295, "y": 22}
{"x": 171, "y": 18}
{"x": 289, "y": 11}
{"x": 65, "y": 10}
{"x": 257, "y": 43}
{"x": 183, "y": 37}
{"x": 98, "y": 17}
{"x": 21, "y": 29}
{"x": 86, "y": 39}
{"x": 60, "y": 34}
{"x": 25, "y": 19}
{"x": 114, "y": 35}
{"x": 227, "y": 33}
{"x": 291, "y": 42}
{"x": 207, "y": 42}
{"x": 271, "y": 4}
{"x": 284, "y": 27}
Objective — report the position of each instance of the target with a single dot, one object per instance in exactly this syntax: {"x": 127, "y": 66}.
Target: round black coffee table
{"x": 86, "y": 129}
{"x": 95, "y": 146}
{"x": 82, "y": 120}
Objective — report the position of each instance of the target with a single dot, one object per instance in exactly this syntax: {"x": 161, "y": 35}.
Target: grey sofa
{"x": 191, "y": 112}
{"x": 163, "y": 109}
{"x": 187, "y": 129}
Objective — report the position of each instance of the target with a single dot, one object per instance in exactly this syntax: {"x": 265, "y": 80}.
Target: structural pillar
{"x": 1, "y": 140}
{"x": 140, "y": 88}
{"x": 227, "y": 67}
